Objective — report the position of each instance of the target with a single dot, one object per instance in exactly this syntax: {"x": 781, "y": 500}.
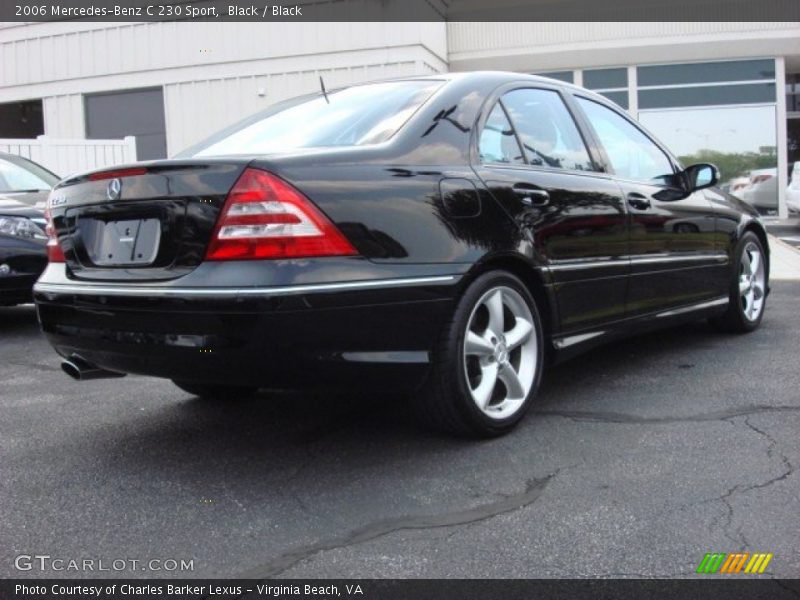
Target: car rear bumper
{"x": 372, "y": 332}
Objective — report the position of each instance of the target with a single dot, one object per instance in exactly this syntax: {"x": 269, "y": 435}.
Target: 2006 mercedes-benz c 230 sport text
{"x": 446, "y": 235}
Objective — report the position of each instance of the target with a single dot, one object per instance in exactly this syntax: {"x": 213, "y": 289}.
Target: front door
{"x": 673, "y": 257}
{"x": 536, "y": 164}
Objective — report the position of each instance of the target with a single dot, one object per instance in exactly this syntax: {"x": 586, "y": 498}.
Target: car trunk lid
{"x": 146, "y": 222}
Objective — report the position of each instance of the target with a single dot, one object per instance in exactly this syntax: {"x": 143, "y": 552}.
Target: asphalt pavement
{"x": 639, "y": 458}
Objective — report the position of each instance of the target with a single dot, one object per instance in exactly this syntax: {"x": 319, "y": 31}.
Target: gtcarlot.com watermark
{"x": 48, "y": 563}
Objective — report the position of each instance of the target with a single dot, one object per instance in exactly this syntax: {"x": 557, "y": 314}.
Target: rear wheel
{"x": 488, "y": 362}
{"x": 216, "y": 391}
{"x": 748, "y": 291}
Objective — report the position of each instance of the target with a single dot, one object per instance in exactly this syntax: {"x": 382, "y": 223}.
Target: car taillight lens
{"x": 265, "y": 217}
{"x": 54, "y": 252}
{"x": 760, "y": 178}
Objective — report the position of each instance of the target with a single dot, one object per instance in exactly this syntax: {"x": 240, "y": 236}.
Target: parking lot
{"x": 640, "y": 457}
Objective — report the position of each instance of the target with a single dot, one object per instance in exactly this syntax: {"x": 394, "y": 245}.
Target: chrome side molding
{"x": 692, "y": 307}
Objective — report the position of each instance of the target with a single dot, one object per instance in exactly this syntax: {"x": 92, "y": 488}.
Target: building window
{"x": 793, "y": 93}
{"x": 707, "y": 95}
{"x": 21, "y": 119}
{"x": 611, "y": 83}
{"x": 706, "y": 84}
{"x": 704, "y": 73}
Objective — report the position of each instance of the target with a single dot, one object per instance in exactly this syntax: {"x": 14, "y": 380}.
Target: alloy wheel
{"x": 500, "y": 352}
{"x": 752, "y": 277}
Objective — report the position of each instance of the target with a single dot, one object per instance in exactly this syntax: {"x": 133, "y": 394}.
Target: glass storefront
{"x": 723, "y": 112}
{"x": 740, "y": 140}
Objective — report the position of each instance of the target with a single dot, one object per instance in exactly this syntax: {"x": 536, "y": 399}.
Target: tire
{"x": 470, "y": 390}
{"x": 216, "y": 391}
{"x": 748, "y": 291}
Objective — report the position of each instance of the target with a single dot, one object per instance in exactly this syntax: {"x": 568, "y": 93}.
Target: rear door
{"x": 572, "y": 217}
{"x": 673, "y": 256}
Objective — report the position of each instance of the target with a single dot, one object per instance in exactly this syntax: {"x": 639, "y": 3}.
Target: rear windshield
{"x": 355, "y": 116}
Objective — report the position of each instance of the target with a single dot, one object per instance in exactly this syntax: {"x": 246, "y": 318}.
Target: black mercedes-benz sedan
{"x": 447, "y": 235}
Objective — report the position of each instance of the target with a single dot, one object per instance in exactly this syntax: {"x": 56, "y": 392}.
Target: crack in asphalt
{"x": 533, "y": 490}
{"x": 628, "y": 419}
{"x": 789, "y": 468}
{"x": 772, "y": 446}
{"x": 738, "y": 537}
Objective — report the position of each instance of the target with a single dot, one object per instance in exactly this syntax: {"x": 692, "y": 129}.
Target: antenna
{"x": 322, "y": 87}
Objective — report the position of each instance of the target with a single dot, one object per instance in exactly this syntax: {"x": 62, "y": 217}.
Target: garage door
{"x": 114, "y": 115}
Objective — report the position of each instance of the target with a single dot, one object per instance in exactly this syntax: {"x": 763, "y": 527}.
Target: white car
{"x": 736, "y": 185}
{"x": 762, "y": 193}
{"x": 793, "y": 191}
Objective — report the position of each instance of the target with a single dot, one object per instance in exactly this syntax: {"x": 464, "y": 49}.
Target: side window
{"x": 498, "y": 143}
{"x": 546, "y": 129}
{"x": 632, "y": 154}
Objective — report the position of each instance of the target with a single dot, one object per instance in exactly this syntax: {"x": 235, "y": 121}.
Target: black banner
{"x": 416, "y": 589}
{"x": 400, "y": 10}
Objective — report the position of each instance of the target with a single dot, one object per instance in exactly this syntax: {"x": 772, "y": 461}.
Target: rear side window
{"x": 355, "y": 116}
{"x": 498, "y": 143}
{"x": 633, "y": 155}
{"x": 546, "y": 130}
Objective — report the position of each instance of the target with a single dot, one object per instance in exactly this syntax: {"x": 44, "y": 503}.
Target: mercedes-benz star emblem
{"x": 114, "y": 189}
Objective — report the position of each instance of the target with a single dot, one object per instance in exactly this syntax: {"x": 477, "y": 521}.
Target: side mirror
{"x": 701, "y": 176}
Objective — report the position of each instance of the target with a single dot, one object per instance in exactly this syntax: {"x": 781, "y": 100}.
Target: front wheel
{"x": 488, "y": 363}
{"x": 213, "y": 391}
{"x": 748, "y": 290}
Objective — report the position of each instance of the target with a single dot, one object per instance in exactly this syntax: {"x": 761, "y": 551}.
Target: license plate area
{"x": 129, "y": 242}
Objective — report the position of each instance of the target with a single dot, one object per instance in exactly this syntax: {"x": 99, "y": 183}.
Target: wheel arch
{"x": 761, "y": 233}
{"x": 530, "y": 276}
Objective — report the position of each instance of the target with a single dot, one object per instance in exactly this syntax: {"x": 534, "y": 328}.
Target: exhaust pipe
{"x": 80, "y": 370}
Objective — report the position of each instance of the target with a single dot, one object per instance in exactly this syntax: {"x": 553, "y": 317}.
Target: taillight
{"x": 760, "y": 178}
{"x": 54, "y": 252}
{"x": 265, "y": 217}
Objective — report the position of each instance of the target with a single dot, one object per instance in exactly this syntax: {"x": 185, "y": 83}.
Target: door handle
{"x": 638, "y": 201}
{"x": 532, "y": 196}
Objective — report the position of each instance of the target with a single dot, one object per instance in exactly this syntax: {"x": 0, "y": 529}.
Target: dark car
{"x": 24, "y": 187}
{"x": 25, "y": 181}
{"x": 444, "y": 235}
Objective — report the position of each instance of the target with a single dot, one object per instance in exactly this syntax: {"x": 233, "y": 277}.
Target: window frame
{"x": 495, "y": 98}
{"x": 677, "y": 168}
{"x": 521, "y": 149}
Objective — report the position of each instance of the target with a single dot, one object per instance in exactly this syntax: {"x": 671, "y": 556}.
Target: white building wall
{"x": 545, "y": 46}
{"x": 197, "y": 108}
{"x": 64, "y": 117}
{"x": 211, "y": 72}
